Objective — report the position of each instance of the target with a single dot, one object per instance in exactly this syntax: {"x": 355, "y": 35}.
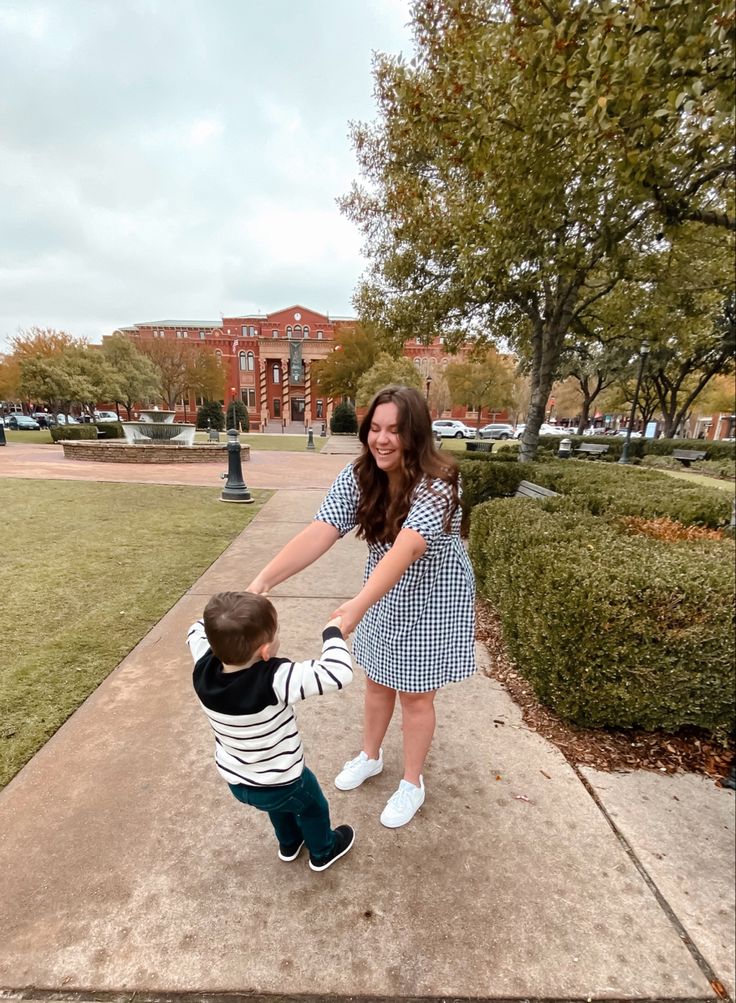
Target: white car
{"x": 497, "y": 430}
{"x": 106, "y": 416}
{"x": 450, "y": 429}
{"x": 544, "y": 429}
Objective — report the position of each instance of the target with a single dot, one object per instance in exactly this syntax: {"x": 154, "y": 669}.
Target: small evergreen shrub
{"x": 211, "y": 415}
{"x": 610, "y": 629}
{"x": 73, "y": 432}
{"x": 344, "y": 419}
{"x": 110, "y": 430}
{"x": 237, "y": 412}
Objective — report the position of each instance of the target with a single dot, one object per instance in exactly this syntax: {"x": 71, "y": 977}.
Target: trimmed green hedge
{"x": 638, "y": 448}
{"x": 621, "y": 490}
{"x": 110, "y": 430}
{"x": 610, "y": 629}
{"x": 596, "y": 489}
{"x": 73, "y": 432}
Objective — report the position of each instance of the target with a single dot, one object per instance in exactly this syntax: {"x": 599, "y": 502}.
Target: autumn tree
{"x": 486, "y": 379}
{"x": 137, "y": 377}
{"x": 338, "y": 375}
{"x": 384, "y": 371}
{"x": 488, "y": 205}
{"x": 183, "y": 369}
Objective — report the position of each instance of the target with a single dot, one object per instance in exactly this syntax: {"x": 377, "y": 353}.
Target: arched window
{"x": 306, "y": 331}
{"x": 218, "y": 353}
{"x": 417, "y": 362}
{"x": 288, "y": 332}
{"x": 276, "y": 373}
{"x": 298, "y": 331}
{"x": 243, "y": 361}
{"x": 250, "y": 362}
{"x": 320, "y": 335}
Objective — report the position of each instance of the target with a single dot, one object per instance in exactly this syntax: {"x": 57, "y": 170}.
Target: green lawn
{"x": 42, "y": 435}
{"x": 88, "y": 569}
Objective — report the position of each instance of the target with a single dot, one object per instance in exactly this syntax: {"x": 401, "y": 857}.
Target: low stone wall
{"x": 116, "y": 451}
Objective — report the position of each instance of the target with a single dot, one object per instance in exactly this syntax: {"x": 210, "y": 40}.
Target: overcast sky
{"x": 181, "y": 158}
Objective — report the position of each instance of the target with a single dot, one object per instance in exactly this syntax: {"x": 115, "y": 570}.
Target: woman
{"x": 414, "y": 616}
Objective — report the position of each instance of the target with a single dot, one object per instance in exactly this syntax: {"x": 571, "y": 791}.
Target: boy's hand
{"x": 335, "y": 621}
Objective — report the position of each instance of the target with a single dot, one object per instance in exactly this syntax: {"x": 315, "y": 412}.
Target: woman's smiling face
{"x": 383, "y": 439}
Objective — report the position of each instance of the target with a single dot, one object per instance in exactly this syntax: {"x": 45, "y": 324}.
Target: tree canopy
{"x": 385, "y": 370}
{"x": 492, "y": 204}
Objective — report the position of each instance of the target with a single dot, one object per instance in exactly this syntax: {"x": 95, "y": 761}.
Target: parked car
{"x": 66, "y": 419}
{"x": 22, "y": 422}
{"x": 544, "y": 429}
{"x": 102, "y": 416}
{"x": 497, "y": 431}
{"x": 44, "y": 419}
{"x": 450, "y": 429}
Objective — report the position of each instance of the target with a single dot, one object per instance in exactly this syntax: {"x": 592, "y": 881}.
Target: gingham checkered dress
{"x": 420, "y": 635}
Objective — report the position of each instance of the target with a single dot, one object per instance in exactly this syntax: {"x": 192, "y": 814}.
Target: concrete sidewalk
{"x": 128, "y": 868}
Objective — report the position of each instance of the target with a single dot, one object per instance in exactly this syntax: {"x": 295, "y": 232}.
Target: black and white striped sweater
{"x": 250, "y": 710}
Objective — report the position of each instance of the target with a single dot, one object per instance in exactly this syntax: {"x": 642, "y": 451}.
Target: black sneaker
{"x": 289, "y": 853}
{"x": 344, "y": 839}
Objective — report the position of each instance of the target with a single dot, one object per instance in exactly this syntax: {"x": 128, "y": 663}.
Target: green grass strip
{"x": 88, "y": 570}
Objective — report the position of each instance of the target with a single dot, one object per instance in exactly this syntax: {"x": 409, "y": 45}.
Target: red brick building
{"x": 268, "y": 359}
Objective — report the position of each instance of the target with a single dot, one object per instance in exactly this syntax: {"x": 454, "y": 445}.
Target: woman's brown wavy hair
{"x": 381, "y": 513}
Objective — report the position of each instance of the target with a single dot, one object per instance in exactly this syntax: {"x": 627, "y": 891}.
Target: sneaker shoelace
{"x": 400, "y": 799}
{"x": 353, "y": 762}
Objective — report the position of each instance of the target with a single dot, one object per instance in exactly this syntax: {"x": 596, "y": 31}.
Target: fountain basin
{"x": 116, "y": 451}
{"x": 147, "y": 432}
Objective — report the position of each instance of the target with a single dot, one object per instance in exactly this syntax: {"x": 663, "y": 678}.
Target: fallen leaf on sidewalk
{"x": 545, "y": 774}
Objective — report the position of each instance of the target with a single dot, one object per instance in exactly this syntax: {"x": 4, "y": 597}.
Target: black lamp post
{"x": 643, "y": 352}
{"x": 429, "y": 384}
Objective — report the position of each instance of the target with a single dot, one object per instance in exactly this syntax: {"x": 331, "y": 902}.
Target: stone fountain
{"x": 154, "y": 438}
{"x": 157, "y": 427}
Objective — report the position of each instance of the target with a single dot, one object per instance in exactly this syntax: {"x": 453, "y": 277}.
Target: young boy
{"x": 247, "y": 693}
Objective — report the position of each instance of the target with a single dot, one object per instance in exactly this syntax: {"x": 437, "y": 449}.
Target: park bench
{"x": 592, "y": 449}
{"x": 478, "y": 446}
{"x": 688, "y": 456}
{"x": 527, "y": 489}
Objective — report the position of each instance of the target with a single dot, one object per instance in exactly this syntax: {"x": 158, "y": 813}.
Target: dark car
{"x": 44, "y": 419}
{"x": 21, "y": 422}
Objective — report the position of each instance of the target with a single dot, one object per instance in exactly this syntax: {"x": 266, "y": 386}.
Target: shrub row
{"x": 638, "y": 448}
{"x": 620, "y": 490}
{"x": 107, "y": 430}
{"x": 60, "y": 432}
{"x": 610, "y": 630}
{"x": 596, "y": 489}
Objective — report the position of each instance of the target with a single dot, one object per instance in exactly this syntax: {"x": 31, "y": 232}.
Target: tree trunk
{"x": 584, "y": 415}
{"x": 546, "y": 344}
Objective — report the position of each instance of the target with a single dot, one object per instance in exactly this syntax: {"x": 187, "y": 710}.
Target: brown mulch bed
{"x": 691, "y": 751}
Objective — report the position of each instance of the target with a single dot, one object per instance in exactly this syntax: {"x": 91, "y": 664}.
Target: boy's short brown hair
{"x": 237, "y": 624}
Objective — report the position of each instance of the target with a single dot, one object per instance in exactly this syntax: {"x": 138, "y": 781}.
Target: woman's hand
{"x": 350, "y": 613}
{"x": 259, "y": 585}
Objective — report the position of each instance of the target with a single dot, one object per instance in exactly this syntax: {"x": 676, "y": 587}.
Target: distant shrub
{"x": 344, "y": 419}
{"x": 110, "y": 430}
{"x": 73, "y": 432}
{"x": 211, "y": 415}
{"x": 237, "y": 412}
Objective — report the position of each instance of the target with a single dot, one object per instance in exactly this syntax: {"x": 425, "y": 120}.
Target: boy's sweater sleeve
{"x": 294, "y": 681}
{"x": 197, "y": 640}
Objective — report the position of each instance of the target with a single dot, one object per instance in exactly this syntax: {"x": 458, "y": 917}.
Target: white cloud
{"x": 180, "y": 159}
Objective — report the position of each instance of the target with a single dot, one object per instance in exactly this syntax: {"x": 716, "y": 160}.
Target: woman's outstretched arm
{"x": 301, "y": 551}
{"x": 408, "y": 547}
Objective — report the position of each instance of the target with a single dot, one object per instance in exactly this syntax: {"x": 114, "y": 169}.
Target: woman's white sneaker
{"x": 403, "y": 804}
{"x": 357, "y": 770}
